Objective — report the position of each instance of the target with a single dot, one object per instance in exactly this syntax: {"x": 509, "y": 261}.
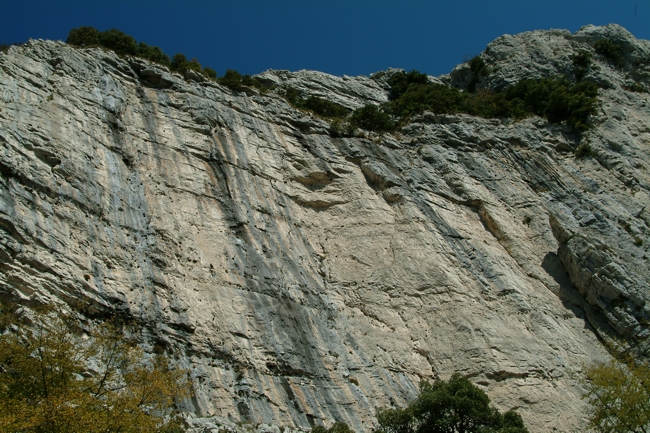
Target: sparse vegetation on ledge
{"x": 557, "y": 99}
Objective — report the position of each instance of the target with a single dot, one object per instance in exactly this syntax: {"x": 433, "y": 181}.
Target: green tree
{"x": 232, "y": 79}
{"x": 153, "y": 53}
{"x": 372, "y": 118}
{"x": 454, "y": 406}
{"x": 581, "y": 63}
{"x": 400, "y": 82}
{"x": 337, "y": 427}
{"x": 618, "y": 393}
{"x": 210, "y": 73}
{"x": 56, "y": 379}
{"x": 179, "y": 63}
{"x": 479, "y": 69}
{"x": 83, "y": 36}
{"x": 611, "y": 50}
{"x": 119, "y": 42}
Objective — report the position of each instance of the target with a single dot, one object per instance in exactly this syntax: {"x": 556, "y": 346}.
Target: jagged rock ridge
{"x": 304, "y": 278}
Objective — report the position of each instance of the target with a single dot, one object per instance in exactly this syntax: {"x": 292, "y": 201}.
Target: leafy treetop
{"x": 454, "y": 406}
{"x": 618, "y": 393}
{"x": 54, "y": 379}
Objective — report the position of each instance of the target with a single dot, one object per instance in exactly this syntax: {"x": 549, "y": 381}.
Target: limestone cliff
{"x": 305, "y": 278}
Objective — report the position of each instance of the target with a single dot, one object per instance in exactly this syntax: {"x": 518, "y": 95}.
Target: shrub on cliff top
{"x": 557, "y": 100}
{"x": 124, "y": 44}
{"x": 478, "y": 69}
{"x": 153, "y": 53}
{"x": 119, "y": 42}
{"x": 83, "y": 36}
{"x": 400, "y": 82}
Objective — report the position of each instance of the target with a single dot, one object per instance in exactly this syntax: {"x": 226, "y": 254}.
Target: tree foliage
{"x": 478, "y": 69}
{"x": 618, "y": 393}
{"x": 180, "y": 64}
{"x": 581, "y": 64}
{"x": 124, "y": 44}
{"x": 153, "y": 53}
{"x": 373, "y": 118}
{"x": 454, "y": 406}
{"x": 320, "y": 106}
{"x": 555, "y": 98}
{"x": 337, "y": 427}
{"x": 611, "y": 50}
{"x": 400, "y": 82}
{"x": 119, "y": 42}
{"x": 55, "y": 378}
{"x": 83, "y": 36}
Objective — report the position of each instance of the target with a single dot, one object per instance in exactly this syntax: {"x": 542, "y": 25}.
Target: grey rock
{"x": 192, "y": 75}
{"x": 305, "y": 279}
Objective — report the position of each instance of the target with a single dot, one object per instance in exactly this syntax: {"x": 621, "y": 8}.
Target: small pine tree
{"x": 119, "y": 42}
{"x": 83, "y": 36}
{"x": 179, "y": 63}
{"x": 210, "y": 73}
{"x": 372, "y": 118}
{"x": 611, "y": 50}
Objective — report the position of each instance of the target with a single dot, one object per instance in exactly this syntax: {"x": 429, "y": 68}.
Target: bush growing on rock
{"x": 611, "y": 50}
{"x": 210, "y": 73}
{"x": 153, "y": 53}
{"x": 119, "y": 42}
{"x": 557, "y": 100}
{"x": 320, "y": 106}
{"x": 236, "y": 81}
{"x": 554, "y": 98}
{"x": 434, "y": 97}
{"x": 180, "y": 64}
{"x": 325, "y": 108}
{"x": 373, "y": 118}
{"x": 400, "y": 82}
{"x": 124, "y": 44}
{"x": 232, "y": 79}
{"x": 83, "y": 36}
{"x": 455, "y": 406}
{"x": 581, "y": 63}
{"x": 341, "y": 128}
{"x": 337, "y": 427}
{"x": 479, "y": 69}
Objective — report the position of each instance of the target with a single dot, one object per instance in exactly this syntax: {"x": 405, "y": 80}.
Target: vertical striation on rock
{"x": 304, "y": 278}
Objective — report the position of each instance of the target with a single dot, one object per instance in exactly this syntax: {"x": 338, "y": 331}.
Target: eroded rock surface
{"x": 305, "y": 279}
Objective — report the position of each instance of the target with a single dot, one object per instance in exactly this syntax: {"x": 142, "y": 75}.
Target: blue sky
{"x": 353, "y": 37}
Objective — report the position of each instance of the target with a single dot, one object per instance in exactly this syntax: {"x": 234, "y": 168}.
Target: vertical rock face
{"x": 304, "y": 278}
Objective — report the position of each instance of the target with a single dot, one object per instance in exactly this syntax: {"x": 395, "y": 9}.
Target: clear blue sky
{"x": 353, "y": 37}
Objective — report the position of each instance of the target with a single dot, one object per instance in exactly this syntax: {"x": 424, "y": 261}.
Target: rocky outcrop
{"x": 304, "y": 278}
